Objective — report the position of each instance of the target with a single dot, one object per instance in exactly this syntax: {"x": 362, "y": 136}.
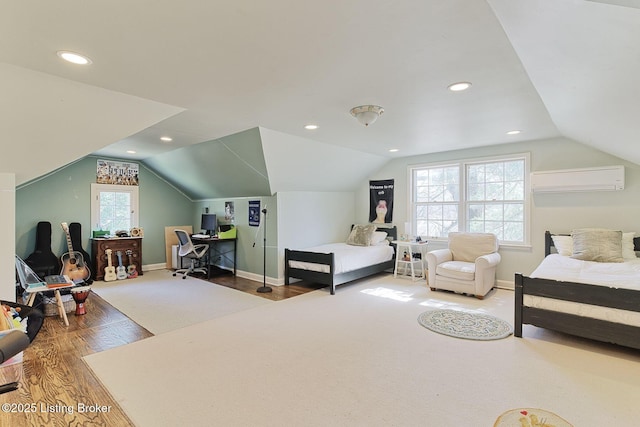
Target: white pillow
{"x": 627, "y": 245}
{"x": 378, "y": 237}
{"x": 563, "y": 244}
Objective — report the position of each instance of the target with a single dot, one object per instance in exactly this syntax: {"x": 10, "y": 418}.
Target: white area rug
{"x": 160, "y": 302}
{"x": 359, "y": 358}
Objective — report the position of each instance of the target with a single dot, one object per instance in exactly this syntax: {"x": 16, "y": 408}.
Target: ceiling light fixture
{"x": 513, "y": 132}
{"x": 166, "y": 138}
{"x": 131, "y": 151}
{"x": 393, "y": 150}
{"x": 311, "y": 127}
{"x": 367, "y": 114}
{"x": 458, "y": 87}
{"x": 73, "y": 57}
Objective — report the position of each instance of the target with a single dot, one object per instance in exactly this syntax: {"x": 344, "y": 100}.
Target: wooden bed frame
{"x": 331, "y": 279}
{"x": 616, "y": 333}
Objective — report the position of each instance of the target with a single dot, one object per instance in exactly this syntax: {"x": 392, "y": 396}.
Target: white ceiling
{"x": 201, "y": 70}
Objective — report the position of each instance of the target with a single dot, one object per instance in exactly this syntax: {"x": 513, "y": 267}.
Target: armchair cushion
{"x": 461, "y": 270}
{"x": 469, "y": 246}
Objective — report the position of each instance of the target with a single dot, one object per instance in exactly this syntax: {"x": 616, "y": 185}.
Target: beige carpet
{"x": 360, "y": 358}
{"x": 161, "y": 303}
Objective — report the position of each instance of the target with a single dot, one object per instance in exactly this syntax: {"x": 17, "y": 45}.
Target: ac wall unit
{"x": 607, "y": 178}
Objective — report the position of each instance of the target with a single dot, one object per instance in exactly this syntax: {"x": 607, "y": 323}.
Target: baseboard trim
{"x": 505, "y": 284}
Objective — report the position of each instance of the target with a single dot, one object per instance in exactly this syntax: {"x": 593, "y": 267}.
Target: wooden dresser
{"x": 123, "y": 244}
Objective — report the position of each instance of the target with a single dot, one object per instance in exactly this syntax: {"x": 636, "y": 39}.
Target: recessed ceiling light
{"x": 513, "y": 132}
{"x": 393, "y": 150}
{"x": 166, "y": 138}
{"x": 311, "y": 127}
{"x": 73, "y": 57}
{"x": 131, "y": 151}
{"x": 460, "y": 86}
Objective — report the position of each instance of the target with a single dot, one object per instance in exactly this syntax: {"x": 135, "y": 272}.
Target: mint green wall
{"x": 249, "y": 257}
{"x": 559, "y": 212}
{"x": 64, "y": 196}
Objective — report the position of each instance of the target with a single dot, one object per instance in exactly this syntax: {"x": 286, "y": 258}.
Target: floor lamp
{"x": 264, "y": 288}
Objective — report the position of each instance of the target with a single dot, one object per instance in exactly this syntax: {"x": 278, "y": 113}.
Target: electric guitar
{"x": 132, "y": 270}
{"x": 110, "y": 270}
{"x": 121, "y": 271}
{"x": 73, "y": 264}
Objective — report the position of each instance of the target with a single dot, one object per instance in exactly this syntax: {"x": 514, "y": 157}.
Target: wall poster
{"x": 120, "y": 173}
{"x": 229, "y": 212}
{"x": 254, "y": 213}
{"x": 381, "y": 201}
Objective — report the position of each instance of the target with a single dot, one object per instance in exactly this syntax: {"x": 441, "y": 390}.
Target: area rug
{"x": 464, "y": 324}
{"x": 161, "y": 303}
{"x": 530, "y": 417}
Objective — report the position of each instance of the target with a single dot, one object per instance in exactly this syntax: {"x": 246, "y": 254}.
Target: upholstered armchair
{"x": 467, "y": 266}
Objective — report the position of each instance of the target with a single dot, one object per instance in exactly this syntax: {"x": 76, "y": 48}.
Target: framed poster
{"x": 381, "y": 201}
{"x": 120, "y": 173}
{"x": 254, "y": 213}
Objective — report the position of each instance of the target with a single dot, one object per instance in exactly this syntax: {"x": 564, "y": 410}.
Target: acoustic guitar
{"x": 121, "y": 271}
{"x": 132, "y": 269}
{"x": 109, "y": 270}
{"x": 73, "y": 264}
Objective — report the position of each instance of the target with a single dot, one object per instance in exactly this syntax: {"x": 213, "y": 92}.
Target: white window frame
{"x": 463, "y": 203}
{"x": 96, "y": 189}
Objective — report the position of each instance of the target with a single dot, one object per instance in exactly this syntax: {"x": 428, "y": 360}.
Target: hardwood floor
{"x": 57, "y": 387}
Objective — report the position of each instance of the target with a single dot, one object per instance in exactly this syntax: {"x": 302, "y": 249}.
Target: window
{"x": 114, "y": 207}
{"x": 487, "y": 196}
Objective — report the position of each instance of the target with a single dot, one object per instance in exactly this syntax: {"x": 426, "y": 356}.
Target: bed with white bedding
{"x": 592, "y": 299}
{"x": 337, "y": 263}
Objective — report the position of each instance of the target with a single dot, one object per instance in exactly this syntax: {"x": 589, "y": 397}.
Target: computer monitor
{"x": 209, "y": 224}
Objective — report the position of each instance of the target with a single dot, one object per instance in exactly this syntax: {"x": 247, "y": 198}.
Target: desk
{"x": 216, "y": 247}
{"x": 410, "y": 249}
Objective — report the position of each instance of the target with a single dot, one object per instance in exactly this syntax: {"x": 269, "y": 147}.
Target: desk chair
{"x": 189, "y": 250}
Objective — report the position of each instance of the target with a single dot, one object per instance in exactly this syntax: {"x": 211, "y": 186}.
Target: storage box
{"x": 101, "y": 233}
{"x": 50, "y": 306}
{"x": 229, "y": 233}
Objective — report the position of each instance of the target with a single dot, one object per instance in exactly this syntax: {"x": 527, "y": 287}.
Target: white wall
{"x": 560, "y": 212}
{"x": 308, "y": 219}
{"x": 7, "y": 236}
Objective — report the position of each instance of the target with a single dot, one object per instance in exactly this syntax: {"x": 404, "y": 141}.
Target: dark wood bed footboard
{"x": 601, "y": 330}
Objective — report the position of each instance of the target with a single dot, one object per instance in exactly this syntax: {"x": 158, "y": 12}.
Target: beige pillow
{"x": 628, "y": 251}
{"x": 597, "y": 244}
{"x": 563, "y": 244}
{"x": 361, "y": 235}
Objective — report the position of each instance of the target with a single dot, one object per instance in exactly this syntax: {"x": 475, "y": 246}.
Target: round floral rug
{"x": 465, "y": 324}
{"x": 530, "y": 417}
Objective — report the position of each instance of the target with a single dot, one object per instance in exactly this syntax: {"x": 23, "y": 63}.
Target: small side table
{"x": 56, "y": 292}
{"x": 410, "y": 249}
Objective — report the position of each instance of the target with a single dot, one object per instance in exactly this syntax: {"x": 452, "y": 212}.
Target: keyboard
{"x": 200, "y": 236}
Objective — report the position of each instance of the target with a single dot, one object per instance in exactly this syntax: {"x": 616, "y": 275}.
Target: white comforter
{"x": 347, "y": 257}
{"x": 617, "y": 275}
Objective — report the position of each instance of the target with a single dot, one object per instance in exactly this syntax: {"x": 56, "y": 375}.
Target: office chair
{"x": 189, "y": 250}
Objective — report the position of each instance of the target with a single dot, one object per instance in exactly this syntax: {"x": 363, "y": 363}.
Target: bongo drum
{"x": 80, "y": 296}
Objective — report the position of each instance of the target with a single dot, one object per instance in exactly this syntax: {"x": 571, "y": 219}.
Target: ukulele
{"x": 132, "y": 271}
{"x": 110, "y": 270}
{"x": 121, "y": 271}
{"x": 73, "y": 264}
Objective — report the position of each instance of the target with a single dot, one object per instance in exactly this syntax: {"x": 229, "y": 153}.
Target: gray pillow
{"x": 597, "y": 244}
{"x": 361, "y": 235}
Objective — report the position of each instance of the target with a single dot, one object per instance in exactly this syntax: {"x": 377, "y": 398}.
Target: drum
{"x": 80, "y": 295}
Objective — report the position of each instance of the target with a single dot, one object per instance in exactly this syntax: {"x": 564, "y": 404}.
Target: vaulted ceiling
{"x": 201, "y": 70}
